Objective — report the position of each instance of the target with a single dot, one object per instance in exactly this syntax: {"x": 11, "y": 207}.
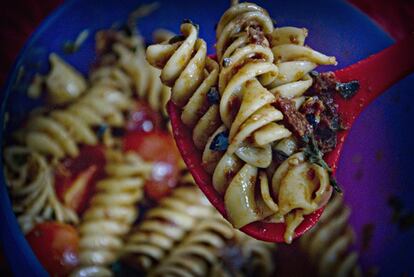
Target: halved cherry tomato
{"x": 75, "y": 178}
{"x": 158, "y": 147}
{"x": 56, "y": 246}
{"x": 143, "y": 118}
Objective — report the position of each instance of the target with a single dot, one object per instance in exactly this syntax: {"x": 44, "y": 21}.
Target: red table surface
{"x": 19, "y": 18}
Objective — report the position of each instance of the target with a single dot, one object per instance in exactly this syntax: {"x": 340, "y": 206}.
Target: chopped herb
{"x": 118, "y": 131}
{"x": 226, "y": 62}
{"x": 187, "y": 21}
{"x": 313, "y": 120}
{"x": 347, "y": 90}
{"x": 70, "y": 47}
{"x": 314, "y": 74}
{"x": 334, "y": 183}
{"x": 314, "y": 155}
{"x": 336, "y": 125}
{"x": 197, "y": 27}
{"x": 213, "y": 96}
{"x": 101, "y": 130}
{"x": 220, "y": 142}
{"x": 191, "y": 22}
{"x": 279, "y": 155}
{"x": 176, "y": 38}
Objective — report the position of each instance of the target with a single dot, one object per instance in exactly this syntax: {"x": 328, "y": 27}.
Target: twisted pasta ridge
{"x": 131, "y": 72}
{"x": 258, "y": 255}
{"x": 64, "y": 83}
{"x": 111, "y": 213}
{"x": 31, "y": 184}
{"x": 295, "y": 61}
{"x": 199, "y": 251}
{"x": 164, "y": 226}
{"x": 59, "y": 132}
{"x": 328, "y": 243}
{"x": 192, "y": 76}
{"x": 246, "y": 66}
{"x": 145, "y": 77}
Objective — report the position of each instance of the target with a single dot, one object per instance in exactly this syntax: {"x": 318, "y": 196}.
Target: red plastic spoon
{"x": 375, "y": 75}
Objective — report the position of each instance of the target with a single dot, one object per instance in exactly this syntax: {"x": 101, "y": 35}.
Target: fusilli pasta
{"x": 328, "y": 243}
{"x": 164, "y": 226}
{"x": 31, "y": 183}
{"x": 64, "y": 84}
{"x": 195, "y": 255}
{"x": 58, "y": 133}
{"x": 111, "y": 213}
{"x": 131, "y": 70}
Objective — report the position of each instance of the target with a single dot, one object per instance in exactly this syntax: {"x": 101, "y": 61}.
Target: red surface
{"x": 395, "y": 63}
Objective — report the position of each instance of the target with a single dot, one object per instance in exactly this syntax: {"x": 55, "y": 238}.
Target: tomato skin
{"x": 163, "y": 179}
{"x": 76, "y": 177}
{"x": 143, "y": 118}
{"x": 56, "y": 245}
{"x": 159, "y": 148}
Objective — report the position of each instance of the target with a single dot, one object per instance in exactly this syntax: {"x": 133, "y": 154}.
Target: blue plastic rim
{"x": 376, "y": 159}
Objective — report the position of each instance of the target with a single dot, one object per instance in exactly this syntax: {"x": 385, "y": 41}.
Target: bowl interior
{"x": 376, "y": 158}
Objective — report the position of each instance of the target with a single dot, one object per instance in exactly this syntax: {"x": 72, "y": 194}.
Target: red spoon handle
{"x": 375, "y": 74}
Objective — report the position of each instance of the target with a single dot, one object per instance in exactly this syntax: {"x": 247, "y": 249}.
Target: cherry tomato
{"x": 157, "y": 147}
{"x": 56, "y": 246}
{"x": 75, "y": 178}
{"x": 143, "y": 118}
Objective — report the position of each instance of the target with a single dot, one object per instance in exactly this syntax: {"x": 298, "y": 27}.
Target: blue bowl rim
{"x": 23, "y": 260}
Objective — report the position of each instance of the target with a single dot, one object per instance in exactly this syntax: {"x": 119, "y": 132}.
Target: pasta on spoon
{"x": 254, "y": 112}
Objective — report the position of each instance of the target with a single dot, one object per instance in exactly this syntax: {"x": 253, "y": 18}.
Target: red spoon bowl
{"x": 375, "y": 75}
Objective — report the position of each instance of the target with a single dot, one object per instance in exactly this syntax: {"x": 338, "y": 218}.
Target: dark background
{"x": 19, "y": 18}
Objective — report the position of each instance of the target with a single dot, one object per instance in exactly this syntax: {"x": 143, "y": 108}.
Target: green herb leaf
{"x": 314, "y": 155}
{"x": 176, "y": 38}
{"x": 347, "y": 90}
{"x": 335, "y": 184}
{"x": 70, "y": 47}
{"x": 226, "y": 62}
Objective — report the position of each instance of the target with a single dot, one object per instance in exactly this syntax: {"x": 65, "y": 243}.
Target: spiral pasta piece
{"x": 60, "y": 132}
{"x": 192, "y": 76}
{"x": 258, "y": 255}
{"x": 64, "y": 83}
{"x": 111, "y": 213}
{"x": 328, "y": 243}
{"x": 199, "y": 251}
{"x": 246, "y": 66}
{"x": 31, "y": 184}
{"x": 130, "y": 71}
{"x": 295, "y": 61}
{"x": 164, "y": 226}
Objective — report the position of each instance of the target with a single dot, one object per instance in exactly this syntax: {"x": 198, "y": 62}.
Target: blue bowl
{"x": 377, "y": 157}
